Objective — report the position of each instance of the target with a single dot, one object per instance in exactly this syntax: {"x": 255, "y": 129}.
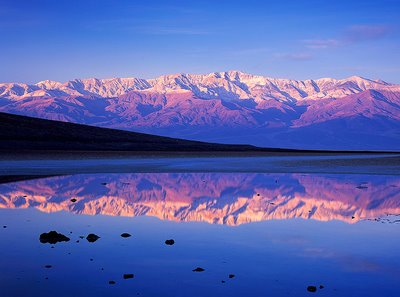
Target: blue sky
{"x": 62, "y": 40}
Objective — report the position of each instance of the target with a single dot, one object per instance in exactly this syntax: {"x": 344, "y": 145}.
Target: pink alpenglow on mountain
{"x": 227, "y": 107}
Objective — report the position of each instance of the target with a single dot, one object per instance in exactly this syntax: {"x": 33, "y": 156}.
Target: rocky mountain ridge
{"x": 229, "y": 107}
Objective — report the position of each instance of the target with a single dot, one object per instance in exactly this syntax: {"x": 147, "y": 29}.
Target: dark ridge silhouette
{"x": 27, "y": 134}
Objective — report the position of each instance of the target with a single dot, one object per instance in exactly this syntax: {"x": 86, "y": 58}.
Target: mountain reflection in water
{"x": 219, "y": 198}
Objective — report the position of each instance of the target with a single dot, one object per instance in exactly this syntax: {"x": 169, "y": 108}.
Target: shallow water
{"x": 330, "y": 163}
{"x": 276, "y": 232}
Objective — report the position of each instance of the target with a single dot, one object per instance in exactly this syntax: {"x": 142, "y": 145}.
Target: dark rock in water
{"x": 321, "y": 286}
{"x": 169, "y": 242}
{"x": 128, "y": 275}
{"x": 81, "y": 237}
{"x": 223, "y": 281}
{"x": 92, "y": 237}
{"x": 362, "y": 187}
{"x": 125, "y": 235}
{"x": 73, "y": 200}
{"x": 91, "y": 259}
{"x": 258, "y": 194}
{"x": 231, "y": 275}
{"x": 104, "y": 184}
{"x": 312, "y": 289}
{"x": 47, "y": 266}
{"x": 353, "y": 217}
{"x": 52, "y": 237}
{"x": 4, "y": 226}
{"x": 111, "y": 282}
{"x": 198, "y": 269}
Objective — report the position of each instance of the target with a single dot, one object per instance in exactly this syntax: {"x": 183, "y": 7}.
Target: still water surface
{"x": 277, "y": 233}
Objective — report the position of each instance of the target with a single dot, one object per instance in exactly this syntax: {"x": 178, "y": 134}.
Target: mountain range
{"x": 226, "y": 107}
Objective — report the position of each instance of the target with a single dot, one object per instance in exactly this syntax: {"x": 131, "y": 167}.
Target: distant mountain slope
{"x": 231, "y": 107}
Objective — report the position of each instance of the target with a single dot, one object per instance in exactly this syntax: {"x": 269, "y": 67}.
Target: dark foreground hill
{"x": 19, "y": 133}
{"x": 28, "y": 134}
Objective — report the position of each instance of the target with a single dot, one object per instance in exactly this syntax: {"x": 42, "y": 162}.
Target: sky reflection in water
{"x": 278, "y": 233}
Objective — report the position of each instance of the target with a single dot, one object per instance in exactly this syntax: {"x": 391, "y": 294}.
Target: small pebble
{"x": 169, "y": 242}
{"x": 128, "y": 275}
{"x": 312, "y": 289}
{"x": 92, "y": 237}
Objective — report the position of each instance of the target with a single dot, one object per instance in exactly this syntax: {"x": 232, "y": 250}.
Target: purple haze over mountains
{"x": 227, "y": 107}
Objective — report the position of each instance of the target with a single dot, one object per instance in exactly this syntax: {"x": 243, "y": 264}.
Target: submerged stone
{"x": 111, "y": 282}
{"x": 73, "y": 200}
{"x": 125, "y": 235}
{"x": 47, "y": 266}
{"x": 169, "y": 242}
{"x": 231, "y": 275}
{"x": 53, "y": 237}
{"x": 198, "y": 269}
{"x": 92, "y": 237}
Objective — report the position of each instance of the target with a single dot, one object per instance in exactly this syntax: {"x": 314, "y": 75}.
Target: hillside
{"x": 27, "y": 133}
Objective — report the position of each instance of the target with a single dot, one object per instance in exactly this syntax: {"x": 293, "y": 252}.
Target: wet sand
{"x": 56, "y": 164}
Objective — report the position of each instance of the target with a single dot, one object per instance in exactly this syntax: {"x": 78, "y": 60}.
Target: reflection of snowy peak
{"x": 352, "y": 113}
{"x": 227, "y": 198}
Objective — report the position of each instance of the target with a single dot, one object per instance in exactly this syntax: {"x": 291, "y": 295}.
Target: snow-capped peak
{"x": 228, "y": 85}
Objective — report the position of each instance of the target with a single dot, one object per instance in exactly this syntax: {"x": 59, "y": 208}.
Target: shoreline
{"x": 382, "y": 164}
{"x": 82, "y": 154}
